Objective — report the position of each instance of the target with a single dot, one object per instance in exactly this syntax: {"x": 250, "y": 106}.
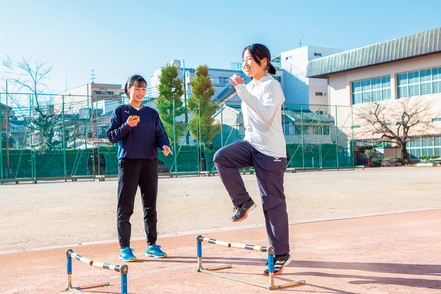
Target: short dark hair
{"x": 135, "y": 80}
{"x": 259, "y": 52}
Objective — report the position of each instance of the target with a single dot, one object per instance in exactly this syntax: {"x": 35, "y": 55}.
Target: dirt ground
{"x": 353, "y": 231}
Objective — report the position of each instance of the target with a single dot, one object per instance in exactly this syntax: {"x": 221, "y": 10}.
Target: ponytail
{"x": 271, "y": 69}
{"x": 259, "y": 52}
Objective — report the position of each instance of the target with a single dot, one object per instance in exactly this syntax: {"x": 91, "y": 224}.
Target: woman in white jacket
{"x": 263, "y": 148}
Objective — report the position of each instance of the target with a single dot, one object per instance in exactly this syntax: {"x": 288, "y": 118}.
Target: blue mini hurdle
{"x": 123, "y": 269}
{"x": 269, "y": 250}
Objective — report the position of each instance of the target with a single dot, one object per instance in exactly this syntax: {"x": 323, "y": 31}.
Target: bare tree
{"x": 398, "y": 121}
{"x": 30, "y": 77}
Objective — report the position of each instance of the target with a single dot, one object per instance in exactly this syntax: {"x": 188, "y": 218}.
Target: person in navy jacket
{"x": 139, "y": 132}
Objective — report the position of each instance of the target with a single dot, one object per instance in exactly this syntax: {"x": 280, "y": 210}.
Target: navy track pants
{"x": 131, "y": 174}
{"x": 269, "y": 172}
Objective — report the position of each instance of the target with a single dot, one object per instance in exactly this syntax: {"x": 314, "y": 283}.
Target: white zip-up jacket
{"x": 262, "y": 115}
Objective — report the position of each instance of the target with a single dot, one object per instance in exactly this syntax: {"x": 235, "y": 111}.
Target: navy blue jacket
{"x": 142, "y": 141}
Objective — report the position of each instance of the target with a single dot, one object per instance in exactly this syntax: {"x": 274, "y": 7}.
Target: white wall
{"x": 298, "y": 89}
{"x": 339, "y": 89}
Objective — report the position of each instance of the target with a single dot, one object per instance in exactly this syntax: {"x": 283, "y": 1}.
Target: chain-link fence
{"x": 53, "y": 137}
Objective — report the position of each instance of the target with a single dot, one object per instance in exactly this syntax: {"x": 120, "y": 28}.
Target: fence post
{"x": 352, "y": 138}
{"x": 175, "y": 153}
{"x": 222, "y": 124}
{"x": 303, "y": 137}
{"x": 336, "y": 136}
{"x": 199, "y": 137}
{"x": 1, "y": 144}
{"x": 64, "y": 140}
{"x": 320, "y": 131}
{"x": 33, "y": 161}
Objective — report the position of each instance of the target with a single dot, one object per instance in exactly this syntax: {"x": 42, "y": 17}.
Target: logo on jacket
{"x": 276, "y": 159}
{"x": 126, "y": 111}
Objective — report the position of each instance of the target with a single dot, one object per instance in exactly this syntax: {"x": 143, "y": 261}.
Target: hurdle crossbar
{"x": 122, "y": 269}
{"x": 268, "y": 249}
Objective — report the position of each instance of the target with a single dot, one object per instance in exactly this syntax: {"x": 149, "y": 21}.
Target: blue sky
{"x": 120, "y": 38}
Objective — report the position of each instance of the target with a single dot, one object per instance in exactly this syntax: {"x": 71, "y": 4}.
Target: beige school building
{"x": 403, "y": 70}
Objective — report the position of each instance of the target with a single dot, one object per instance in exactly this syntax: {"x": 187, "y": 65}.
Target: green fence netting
{"x": 65, "y": 138}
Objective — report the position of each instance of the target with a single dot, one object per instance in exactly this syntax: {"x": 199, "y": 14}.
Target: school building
{"x": 406, "y": 69}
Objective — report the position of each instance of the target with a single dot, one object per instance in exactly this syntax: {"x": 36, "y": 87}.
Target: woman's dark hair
{"x": 259, "y": 52}
{"x": 135, "y": 80}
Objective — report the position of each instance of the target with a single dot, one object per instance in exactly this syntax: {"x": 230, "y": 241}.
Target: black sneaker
{"x": 280, "y": 261}
{"x": 243, "y": 210}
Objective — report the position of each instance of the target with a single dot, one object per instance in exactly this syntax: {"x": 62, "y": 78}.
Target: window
{"x": 436, "y": 119}
{"x": 425, "y": 146}
{"x": 239, "y": 130}
{"x": 325, "y": 130}
{"x": 288, "y": 126}
{"x": 371, "y": 90}
{"x": 278, "y": 78}
{"x": 418, "y": 143}
{"x": 318, "y": 93}
{"x": 223, "y": 80}
{"x": 355, "y": 127}
{"x": 97, "y": 92}
{"x": 427, "y": 142}
{"x": 298, "y": 129}
{"x": 109, "y": 93}
{"x": 436, "y": 80}
{"x": 317, "y": 54}
{"x": 419, "y": 83}
{"x": 313, "y": 130}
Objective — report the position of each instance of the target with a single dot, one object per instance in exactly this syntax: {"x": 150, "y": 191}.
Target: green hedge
{"x": 397, "y": 159}
{"x": 375, "y": 162}
{"x": 428, "y": 157}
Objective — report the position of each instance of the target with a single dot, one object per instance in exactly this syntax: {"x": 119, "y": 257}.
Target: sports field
{"x": 375, "y": 230}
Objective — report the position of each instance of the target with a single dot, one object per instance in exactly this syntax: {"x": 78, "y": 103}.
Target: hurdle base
{"x": 233, "y": 278}
{"x": 266, "y": 286}
{"x": 76, "y": 289}
{"x": 217, "y": 267}
{"x": 269, "y": 250}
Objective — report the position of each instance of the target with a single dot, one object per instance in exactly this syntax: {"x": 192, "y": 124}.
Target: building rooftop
{"x": 307, "y": 116}
{"x": 424, "y": 43}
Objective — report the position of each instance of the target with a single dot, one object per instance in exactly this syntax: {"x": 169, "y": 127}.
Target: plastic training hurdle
{"x": 269, "y": 250}
{"x": 123, "y": 269}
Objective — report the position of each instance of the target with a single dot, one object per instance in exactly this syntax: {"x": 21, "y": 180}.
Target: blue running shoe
{"x": 155, "y": 251}
{"x": 126, "y": 254}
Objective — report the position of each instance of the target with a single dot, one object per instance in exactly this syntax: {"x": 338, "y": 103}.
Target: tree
{"x": 202, "y": 108}
{"x": 396, "y": 121}
{"x": 171, "y": 90}
{"x": 30, "y": 77}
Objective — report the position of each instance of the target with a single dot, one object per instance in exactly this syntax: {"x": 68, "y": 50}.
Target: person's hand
{"x": 236, "y": 80}
{"x": 133, "y": 122}
{"x": 166, "y": 150}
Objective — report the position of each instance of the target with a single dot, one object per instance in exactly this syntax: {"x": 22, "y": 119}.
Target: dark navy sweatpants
{"x": 269, "y": 172}
{"x": 131, "y": 174}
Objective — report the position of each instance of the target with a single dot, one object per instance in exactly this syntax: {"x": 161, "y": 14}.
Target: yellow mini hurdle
{"x": 269, "y": 250}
